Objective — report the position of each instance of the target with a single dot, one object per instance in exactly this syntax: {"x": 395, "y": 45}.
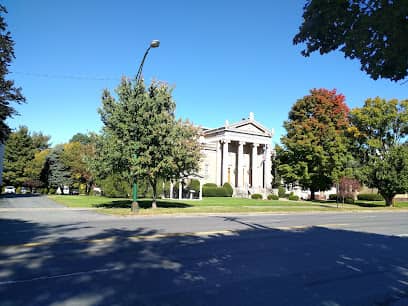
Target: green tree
{"x": 36, "y": 170}
{"x": 315, "y": 147}
{"x": 373, "y": 31}
{"x": 59, "y": 174}
{"x": 378, "y": 130}
{"x": 18, "y": 153}
{"x": 74, "y": 156}
{"x": 8, "y": 92}
{"x": 142, "y": 137}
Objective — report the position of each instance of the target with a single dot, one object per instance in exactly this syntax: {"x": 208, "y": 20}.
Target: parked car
{"x": 74, "y": 191}
{"x": 10, "y": 189}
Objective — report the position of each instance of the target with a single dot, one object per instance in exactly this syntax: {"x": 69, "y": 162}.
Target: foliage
{"x": 214, "y": 192}
{"x": 75, "y": 156}
{"x": 349, "y": 200}
{"x": 333, "y": 197}
{"x": 281, "y": 192}
{"x": 256, "y": 196}
{"x": 272, "y": 197}
{"x": 227, "y": 186}
{"x": 141, "y": 137}
{"x": 369, "y": 30}
{"x": 378, "y": 129}
{"x": 18, "y": 153}
{"x": 85, "y": 139}
{"x": 115, "y": 186}
{"x": 348, "y": 187}
{"x": 293, "y": 197}
{"x": 210, "y": 185}
{"x": 194, "y": 185}
{"x": 315, "y": 147}
{"x": 8, "y": 92}
{"x": 370, "y": 197}
{"x": 59, "y": 174}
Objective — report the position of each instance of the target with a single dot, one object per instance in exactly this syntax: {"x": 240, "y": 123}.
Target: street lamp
{"x": 153, "y": 44}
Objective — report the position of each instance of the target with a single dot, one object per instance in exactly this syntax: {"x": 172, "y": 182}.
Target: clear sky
{"x": 225, "y": 59}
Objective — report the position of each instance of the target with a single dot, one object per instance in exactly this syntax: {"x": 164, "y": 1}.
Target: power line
{"x": 61, "y": 76}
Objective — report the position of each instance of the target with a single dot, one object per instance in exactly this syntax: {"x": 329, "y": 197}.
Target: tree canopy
{"x": 315, "y": 147}
{"x": 379, "y": 129}
{"x": 141, "y": 137}
{"x": 372, "y": 31}
{"x": 8, "y": 92}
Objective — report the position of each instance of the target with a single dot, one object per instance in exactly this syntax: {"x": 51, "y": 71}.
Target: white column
{"x": 268, "y": 167}
{"x": 255, "y": 172}
{"x": 219, "y": 164}
{"x": 225, "y": 162}
{"x": 240, "y": 157}
{"x": 171, "y": 190}
{"x": 180, "y": 190}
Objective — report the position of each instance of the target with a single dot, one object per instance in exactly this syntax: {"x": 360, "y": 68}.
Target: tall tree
{"x": 379, "y": 129}
{"x": 146, "y": 140}
{"x": 8, "y": 92}
{"x": 59, "y": 174}
{"x": 373, "y": 31}
{"x": 18, "y": 153}
{"x": 74, "y": 156}
{"x": 315, "y": 148}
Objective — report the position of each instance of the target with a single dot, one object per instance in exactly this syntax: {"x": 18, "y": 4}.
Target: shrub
{"x": 256, "y": 196}
{"x": 370, "y": 197}
{"x": 281, "y": 192}
{"x": 273, "y": 197}
{"x": 333, "y": 197}
{"x": 293, "y": 197}
{"x": 349, "y": 200}
{"x": 114, "y": 186}
{"x": 214, "y": 192}
{"x": 51, "y": 191}
{"x": 210, "y": 185}
{"x": 228, "y": 189}
{"x": 18, "y": 190}
{"x": 194, "y": 185}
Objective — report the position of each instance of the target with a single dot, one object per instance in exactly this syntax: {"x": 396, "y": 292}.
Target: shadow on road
{"x": 260, "y": 266}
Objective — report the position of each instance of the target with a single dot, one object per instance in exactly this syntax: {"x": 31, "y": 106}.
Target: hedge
{"x": 370, "y": 197}
{"x": 228, "y": 188}
{"x": 272, "y": 197}
{"x": 256, "y": 196}
{"x": 214, "y": 192}
{"x": 210, "y": 185}
{"x": 293, "y": 197}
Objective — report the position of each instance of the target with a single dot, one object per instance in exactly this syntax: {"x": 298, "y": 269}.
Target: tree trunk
{"x": 389, "y": 201}
{"x": 154, "y": 187}
{"x": 312, "y": 194}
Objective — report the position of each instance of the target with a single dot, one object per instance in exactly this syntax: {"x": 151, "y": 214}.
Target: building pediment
{"x": 252, "y": 127}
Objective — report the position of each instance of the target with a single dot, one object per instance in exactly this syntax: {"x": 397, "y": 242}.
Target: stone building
{"x": 240, "y": 154}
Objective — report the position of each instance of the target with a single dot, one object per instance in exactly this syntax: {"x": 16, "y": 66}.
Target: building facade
{"x": 240, "y": 154}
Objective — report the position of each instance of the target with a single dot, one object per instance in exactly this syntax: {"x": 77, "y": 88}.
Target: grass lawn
{"x": 210, "y": 205}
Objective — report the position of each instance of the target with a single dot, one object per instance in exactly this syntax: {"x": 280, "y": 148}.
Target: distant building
{"x": 240, "y": 154}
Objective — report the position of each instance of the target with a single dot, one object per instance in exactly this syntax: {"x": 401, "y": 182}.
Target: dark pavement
{"x": 72, "y": 257}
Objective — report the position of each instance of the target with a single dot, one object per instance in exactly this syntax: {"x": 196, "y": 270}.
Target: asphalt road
{"x": 50, "y": 255}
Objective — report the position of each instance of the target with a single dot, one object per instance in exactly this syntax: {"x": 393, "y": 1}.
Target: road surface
{"x": 50, "y": 255}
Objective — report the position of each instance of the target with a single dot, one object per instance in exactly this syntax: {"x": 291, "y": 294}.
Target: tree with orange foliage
{"x": 315, "y": 147}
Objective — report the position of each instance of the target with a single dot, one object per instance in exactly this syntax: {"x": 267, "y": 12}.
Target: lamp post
{"x": 153, "y": 44}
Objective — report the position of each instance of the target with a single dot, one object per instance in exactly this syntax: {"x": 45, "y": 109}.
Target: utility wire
{"x": 60, "y": 76}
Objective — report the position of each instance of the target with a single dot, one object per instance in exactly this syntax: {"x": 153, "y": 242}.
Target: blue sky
{"x": 225, "y": 59}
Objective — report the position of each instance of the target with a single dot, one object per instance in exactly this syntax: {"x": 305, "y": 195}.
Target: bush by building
{"x": 256, "y": 196}
{"x": 214, "y": 191}
{"x": 293, "y": 197}
{"x": 370, "y": 197}
{"x": 228, "y": 189}
{"x": 281, "y": 192}
{"x": 272, "y": 197}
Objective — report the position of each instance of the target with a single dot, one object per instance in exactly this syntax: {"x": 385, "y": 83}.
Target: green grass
{"x": 122, "y": 206}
